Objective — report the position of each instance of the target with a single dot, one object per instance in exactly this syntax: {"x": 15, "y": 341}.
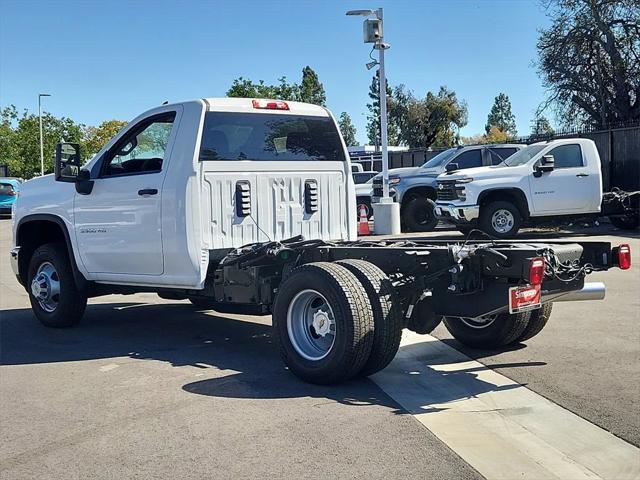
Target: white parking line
{"x": 502, "y": 429}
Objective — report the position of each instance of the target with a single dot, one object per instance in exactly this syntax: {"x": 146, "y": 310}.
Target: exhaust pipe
{"x": 590, "y": 291}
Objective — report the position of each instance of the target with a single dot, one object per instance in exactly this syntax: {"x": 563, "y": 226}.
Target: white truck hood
{"x": 479, "y": 173}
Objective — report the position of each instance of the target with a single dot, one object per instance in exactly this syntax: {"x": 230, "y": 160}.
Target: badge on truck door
{"x": 522, "y": 299}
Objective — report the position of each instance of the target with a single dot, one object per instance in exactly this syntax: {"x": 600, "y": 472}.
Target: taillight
{"x": 536, "y": 271}
{"x": 624, "y": 256}
{"x": 271, "y": 104}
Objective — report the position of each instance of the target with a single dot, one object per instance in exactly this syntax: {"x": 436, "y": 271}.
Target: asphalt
{"x": 587, "y": 357}
{"x": 147, "y": 388}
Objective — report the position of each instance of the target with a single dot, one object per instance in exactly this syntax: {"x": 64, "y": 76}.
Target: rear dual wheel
{"x": 500, "y": 330}
{"x": 333, "y": 321}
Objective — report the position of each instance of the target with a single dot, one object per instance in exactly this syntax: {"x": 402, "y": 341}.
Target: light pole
{"x": 386, "y": 212}
{"x": 40, "y": 95}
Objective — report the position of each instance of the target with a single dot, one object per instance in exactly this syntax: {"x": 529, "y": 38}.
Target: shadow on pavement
{"x": 180, "y": 335}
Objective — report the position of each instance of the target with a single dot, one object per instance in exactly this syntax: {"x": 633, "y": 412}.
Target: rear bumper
{"x": 590, "y": 291}
{"x": 457, "y": 214}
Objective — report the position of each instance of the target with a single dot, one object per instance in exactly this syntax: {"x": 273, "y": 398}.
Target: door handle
{"x": 582, "y": 175}
{"x": 148, "y": 191}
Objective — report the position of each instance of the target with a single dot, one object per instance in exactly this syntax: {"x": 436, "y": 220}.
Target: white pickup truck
{"x": 558, "y": 178}
{"x": 248, "y": 206}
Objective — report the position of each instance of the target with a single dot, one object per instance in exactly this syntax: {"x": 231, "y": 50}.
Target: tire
{"x": 419, "y": 215}
{"x": 537, "y": 321}
{"x": 504, "y": 329}
{"x": 627, "y": 222}
{"x": 494, "y": 213}
{"x": 318, "y": 296}
{"x": 387, "y": 313}
{"x": 49, "y": 266}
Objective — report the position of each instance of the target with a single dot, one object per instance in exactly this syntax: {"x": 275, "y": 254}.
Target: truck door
{"x": 118, "y": 225}
{"x": 569, "y": 188}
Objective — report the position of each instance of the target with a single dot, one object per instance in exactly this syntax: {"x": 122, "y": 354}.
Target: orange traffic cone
{"x": 363, "y": 224}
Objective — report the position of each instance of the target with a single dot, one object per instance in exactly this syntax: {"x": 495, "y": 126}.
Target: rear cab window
{"x": 269, "y": 137}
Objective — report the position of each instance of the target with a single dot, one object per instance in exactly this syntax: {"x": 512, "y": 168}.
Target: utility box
{"x": 372, "y": 29}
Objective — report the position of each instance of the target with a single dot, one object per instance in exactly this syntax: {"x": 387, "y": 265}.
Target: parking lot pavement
{"x": 147, "y": 388}
{"x": 587, "y": 357}
{"x": 155, "y": 389}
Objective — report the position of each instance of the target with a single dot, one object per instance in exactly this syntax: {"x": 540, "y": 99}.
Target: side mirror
{"x": 451, "y": 167}
{"x": 546, "y": 164}
{"x": 67, "y": 166}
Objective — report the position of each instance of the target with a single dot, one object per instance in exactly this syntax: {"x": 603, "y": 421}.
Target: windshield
{"x": 523, "y": 156}
{"x": 441, "y": 157}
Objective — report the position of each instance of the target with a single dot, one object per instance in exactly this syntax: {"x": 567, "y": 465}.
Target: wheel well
{"x": 423, "y": 192}
{"x": 513, "y": 195}
{"x": 31, "y": 234}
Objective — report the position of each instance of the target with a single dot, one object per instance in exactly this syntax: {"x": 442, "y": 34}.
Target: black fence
{"x": 618, "y": 146}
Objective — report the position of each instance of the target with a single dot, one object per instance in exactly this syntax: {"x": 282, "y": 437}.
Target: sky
{"x": 116, "y": 59}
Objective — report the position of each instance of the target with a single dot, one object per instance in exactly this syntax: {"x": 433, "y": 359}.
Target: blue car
{"x": 9, "y": 188}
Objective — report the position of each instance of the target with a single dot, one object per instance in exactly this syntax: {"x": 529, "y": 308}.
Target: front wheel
{"x": 323, "y": 323}
{"x": 491, "y": 331}
{"x": 419, "y": 215}
{"x": 500, "y": 219}
{"x": 55, "y": 299}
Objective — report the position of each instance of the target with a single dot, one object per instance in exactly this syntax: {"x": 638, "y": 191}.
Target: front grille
{"x": 447, "y": 190}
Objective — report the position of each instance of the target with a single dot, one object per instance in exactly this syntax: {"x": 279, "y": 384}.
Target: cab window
{"x": 142, "y": 150}
{"x": 499, "y": 155}
{"x": 567, "y": 156}
{"x": 469, "y": 159}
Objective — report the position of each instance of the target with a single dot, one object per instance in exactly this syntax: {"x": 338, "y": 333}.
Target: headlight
{"x": 465, "y": 180}
{"x": 394, "y": 180}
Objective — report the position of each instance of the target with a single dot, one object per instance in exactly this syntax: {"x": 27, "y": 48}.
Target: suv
{"x": 415, "y": 187}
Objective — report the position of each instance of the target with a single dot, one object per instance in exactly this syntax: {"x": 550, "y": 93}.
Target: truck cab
{"x": 188, "y": 180}
{"x": 542, "y": 181}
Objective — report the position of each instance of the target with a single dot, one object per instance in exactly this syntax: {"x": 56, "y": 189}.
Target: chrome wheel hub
{"x": 311, "y": 325}
{"x": 45, "y": 287}
{"x": 502, "y": 221}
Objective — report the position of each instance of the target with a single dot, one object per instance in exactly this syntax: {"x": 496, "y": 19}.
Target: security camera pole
{"x": 40, "y": 95}
{"x": 386, "y": 212}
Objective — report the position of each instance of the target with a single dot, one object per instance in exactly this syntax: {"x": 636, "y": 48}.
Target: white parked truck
{"x": 542, "y": 182}
{"x": 248, "y": 206}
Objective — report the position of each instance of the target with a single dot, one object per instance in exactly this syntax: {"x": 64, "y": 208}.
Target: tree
{"x": 373, "y": 119}
{"x": 20, "y": 140}
{"x": 495, "y": 135}
{"x": 97, "y": 137}
{"x": 541, "y": 127}
{"x": 432, "y": 121}
{"x": 244, "y": 88}
{"x": 589, "y": 59}
{"x": 501, "y": 116}
{"x": 311, "y": 90}
{"x": 347, "y": 129}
